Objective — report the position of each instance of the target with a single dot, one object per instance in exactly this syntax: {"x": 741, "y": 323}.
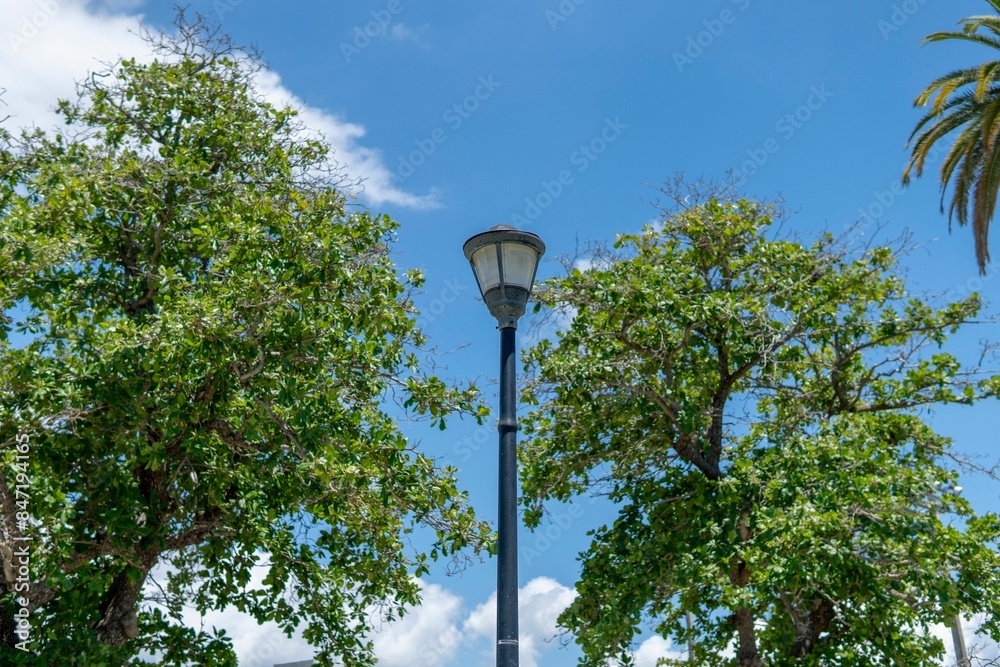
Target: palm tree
{"x": 969, "y": 100}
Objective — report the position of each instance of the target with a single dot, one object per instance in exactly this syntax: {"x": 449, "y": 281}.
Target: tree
{"x": 968, "y": 101}
{"x": 752, "y": 407}
{"x": 211, "y": 342}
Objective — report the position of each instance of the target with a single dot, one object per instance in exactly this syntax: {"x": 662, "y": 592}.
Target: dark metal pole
{"x": 507, "y": 638}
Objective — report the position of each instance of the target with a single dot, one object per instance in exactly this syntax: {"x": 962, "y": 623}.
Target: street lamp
{"x": 504, "y": 261}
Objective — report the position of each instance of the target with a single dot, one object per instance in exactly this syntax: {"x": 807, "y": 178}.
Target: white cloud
{"x": 656, "y": 223}
{"x": 118, "y": 5}
{"x": 539, "y": 604}
{"x": 547, "y": 326}
{"x": 344, "y": 136}
{"x": 653, "y": 649}
{"x": 981, "y": 648}
{"x": 602, "y": 262}
{"x": 256, "y": 645}
{"x": 439, "y": 631}
{"x": 434, "y": 634}
{"x": 401, "y": 32}
{"x": 429, "y": 635}
{"x": 404, "y": 33}
{"x": 426, "y": 636}
{"x": 50, "y": 44}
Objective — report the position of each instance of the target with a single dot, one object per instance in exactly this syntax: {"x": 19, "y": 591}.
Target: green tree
{"x": 967, "y": 101}
{"x": 752, "y": 407}
{"x": 210, "y": 345}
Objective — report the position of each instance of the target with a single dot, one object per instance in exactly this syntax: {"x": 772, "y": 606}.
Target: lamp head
{"x": 504, "y": 261}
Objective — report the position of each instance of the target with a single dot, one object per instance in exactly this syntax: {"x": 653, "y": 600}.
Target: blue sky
{"x": 560, "y": 116}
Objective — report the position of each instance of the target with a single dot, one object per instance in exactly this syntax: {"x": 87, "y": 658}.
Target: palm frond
{"x": 965, "y": 181}
{"x": 948, "y": 165}
{"x": 945, "y": 86}
{"x": 929, "y": 138}
{"x": 953, "y": 160}
{"x": 963, "y": 76}
{"x": 988, "y": 124}
{"x": 987, "y": 72}
{"x": 973, "y": 23}
{"x": 987, "y": 187}
{"x": 966, "y": 101}
{"x": 966, "y": 37}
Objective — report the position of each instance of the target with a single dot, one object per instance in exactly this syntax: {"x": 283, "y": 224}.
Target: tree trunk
{"x": 821, "y": 615}
{"x": 7, "y": 625}
{"x": 746, "y": 655}
{"x": 119, "y": 622}
{"x": 739, "y": 575}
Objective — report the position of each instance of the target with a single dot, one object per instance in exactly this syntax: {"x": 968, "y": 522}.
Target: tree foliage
{"x": 966, "y": 101}
{"x": 208, "y": 336}
{"x": 753, "y": 406}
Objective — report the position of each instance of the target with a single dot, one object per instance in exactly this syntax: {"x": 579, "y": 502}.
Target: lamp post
{"x": 504, "y": 261}
{"x": 958, "y": 637}
{"x": 957, "y": 633}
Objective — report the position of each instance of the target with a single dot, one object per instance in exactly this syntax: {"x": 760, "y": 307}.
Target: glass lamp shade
{"x": 504, "y": 261}
{"x": 486, "y": 267}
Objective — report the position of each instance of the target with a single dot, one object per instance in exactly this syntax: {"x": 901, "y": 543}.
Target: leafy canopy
{"x": 208, "y": 342}
{"x": 752, "y": 405}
